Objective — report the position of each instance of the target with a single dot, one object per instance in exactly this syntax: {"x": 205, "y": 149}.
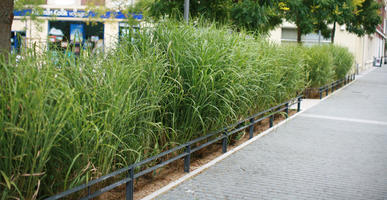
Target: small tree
{"x": 252, "y": 15}
{"x": 366, "y": 17}
{"x": 216, "y": 10}
{"x": 300, "y": 13}
{"x": 256, "y": 16}
{"x": 360, "y": 16}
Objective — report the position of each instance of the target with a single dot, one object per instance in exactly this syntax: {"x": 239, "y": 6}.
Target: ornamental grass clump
{"x": 220, "y": 76}
{"x": 64, "y": 123}
{"x": 342, "y": 61}
{"x": 326, "y": 63}
{"x": 65, "y": 120}
{"x": 318, "y": 65}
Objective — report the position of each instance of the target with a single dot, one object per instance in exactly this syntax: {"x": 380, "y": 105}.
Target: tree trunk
{"x": 6, "y": 18}
{"x": 333, "y": 32}
{"x": 298, "y": 34}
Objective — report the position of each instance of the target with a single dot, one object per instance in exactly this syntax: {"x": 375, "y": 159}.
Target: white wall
{"x": 111, "y": 34}
{"x": 36, "y": 31}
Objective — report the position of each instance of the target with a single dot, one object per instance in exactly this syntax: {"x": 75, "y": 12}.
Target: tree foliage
{"x": 360, "y": 16}
{"x": 300, "y": 12}
{"x": 365, "y": 18}
{"x": 258, "y": 16}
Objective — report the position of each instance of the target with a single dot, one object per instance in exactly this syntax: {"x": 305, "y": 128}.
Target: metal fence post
{"x": 186, "y": 10}
{"x": 287, "y": 109}
{"x": 187, "y": 158}
{"x": 327, "y": 91}
{"x": 251, "y": 129}
{"x": 299, "y": 104}
{"x": 321, "y": 94}
{"x": 129, "y": 188}
{"x": 271, "y": 120}
{"x": 224, "y": 142}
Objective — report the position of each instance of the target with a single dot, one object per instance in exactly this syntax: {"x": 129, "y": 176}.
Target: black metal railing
{"x": 331, "y": 86}
{"x": 189, "y": 148}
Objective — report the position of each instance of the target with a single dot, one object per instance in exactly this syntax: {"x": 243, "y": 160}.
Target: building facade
{"x": 61, "y": 24}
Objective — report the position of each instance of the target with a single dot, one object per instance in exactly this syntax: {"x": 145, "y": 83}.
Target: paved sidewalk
{"x": 335, "y": 150}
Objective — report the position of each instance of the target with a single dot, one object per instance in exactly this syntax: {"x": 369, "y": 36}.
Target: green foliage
{"x": 300, "y": 13}
{"x": 65, "y": 122}
{"x": 365, "y": 18}
{"x": 213, "y": 10}
{"x": 327, "y": 63}
{"x": 254, "y": 16}
{"x": 342, "y": 61}
{"x": 319, "y": 65}
{"x": 360, "y": 16}
{"x": 68, "y": 122}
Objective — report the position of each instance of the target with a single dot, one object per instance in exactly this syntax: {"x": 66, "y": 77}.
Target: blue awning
{"x": 75, "y": 13}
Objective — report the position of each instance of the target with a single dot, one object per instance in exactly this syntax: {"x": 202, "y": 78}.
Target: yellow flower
{"x": 358, "y": 3}
{"x": 337, "y": 12}
{"x": 282, "y": 6}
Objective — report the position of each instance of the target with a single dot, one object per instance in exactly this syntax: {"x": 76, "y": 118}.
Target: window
{"x": 289, "y": 35}
{"x": 127, "y": 30}
{"x": 69, "y": 34}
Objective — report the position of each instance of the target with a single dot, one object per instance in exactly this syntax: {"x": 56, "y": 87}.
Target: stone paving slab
{"x": 309, "y": 157}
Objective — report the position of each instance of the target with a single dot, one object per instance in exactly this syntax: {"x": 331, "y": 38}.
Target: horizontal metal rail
{"x": 221, "y": 134}
{"x": 332, "y": 86}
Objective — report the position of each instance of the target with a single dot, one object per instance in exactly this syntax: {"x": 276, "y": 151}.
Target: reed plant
{"x": 343, "y": 61}
{"x": 65, "y": 121}
{"x": 319, "y": 65}
{"x": 326, "y": 63}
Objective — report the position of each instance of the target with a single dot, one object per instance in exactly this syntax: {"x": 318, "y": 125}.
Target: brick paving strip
{"x": 335, "y": 150}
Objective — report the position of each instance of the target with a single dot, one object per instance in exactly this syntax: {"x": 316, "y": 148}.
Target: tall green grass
{"x": 326, "y": 63}
{"x": 65, "y": 121}
{"x": 343, "y": 61}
